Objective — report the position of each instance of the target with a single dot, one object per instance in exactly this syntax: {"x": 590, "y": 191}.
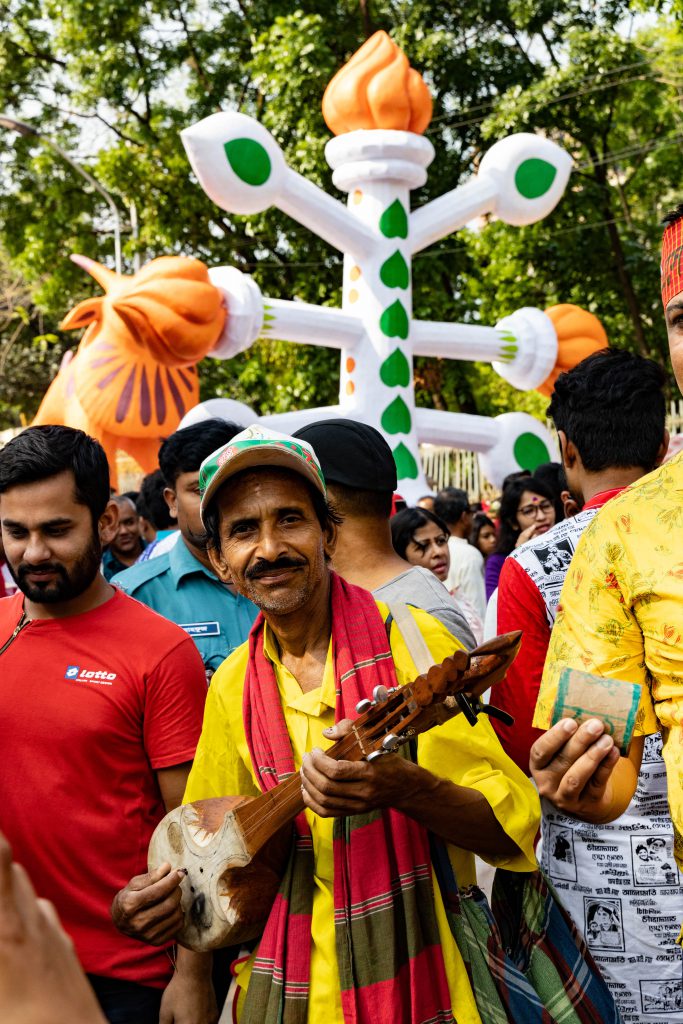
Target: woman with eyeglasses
{"x": 526, "y": 511}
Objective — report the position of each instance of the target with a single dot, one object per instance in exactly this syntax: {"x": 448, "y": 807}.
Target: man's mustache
{"x": 24, "y": 569}
{"x": 263, "y": 568}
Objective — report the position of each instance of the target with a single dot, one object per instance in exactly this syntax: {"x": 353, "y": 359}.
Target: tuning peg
{"x": 391, "y": 742}
{"x": 374, "y": 755}
{"x": 380, "y": 694}
{"x": 363, "y": 705}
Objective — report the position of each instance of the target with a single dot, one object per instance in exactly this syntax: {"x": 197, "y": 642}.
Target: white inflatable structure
{"x": 520, "y": 179}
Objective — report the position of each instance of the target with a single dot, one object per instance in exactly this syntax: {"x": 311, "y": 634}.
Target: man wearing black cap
{"x": 361, "y": 478}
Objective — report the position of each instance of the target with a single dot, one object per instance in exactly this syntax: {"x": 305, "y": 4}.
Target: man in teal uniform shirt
{"x": 180, "y": 584}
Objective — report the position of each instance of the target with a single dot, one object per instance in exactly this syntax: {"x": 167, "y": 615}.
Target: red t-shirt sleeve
{"x": 520, "y": 606}
{"x": 174, "y": 706}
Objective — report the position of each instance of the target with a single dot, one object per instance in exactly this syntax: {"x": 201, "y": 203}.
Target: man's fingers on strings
{"x": 333, "y": 807}
{"x": 342, "y": 728}
{"x": 338, "y": 771}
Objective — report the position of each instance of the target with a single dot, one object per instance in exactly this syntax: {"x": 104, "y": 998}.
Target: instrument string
{"x": 285, "y": 800}
{"x": 278, "y": 801}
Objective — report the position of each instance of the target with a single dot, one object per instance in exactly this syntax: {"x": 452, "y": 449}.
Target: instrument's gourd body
{"x": 227, "y": 894}
{"x": 234, "y": 848}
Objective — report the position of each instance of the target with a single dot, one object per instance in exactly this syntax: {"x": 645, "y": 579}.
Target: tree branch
{"x": 196, "y": 62}
{"x": 40, "y": 55}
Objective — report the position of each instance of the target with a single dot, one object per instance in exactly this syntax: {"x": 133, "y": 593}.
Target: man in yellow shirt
{"x": 272, "y": 706}
{"x": 265, "y": 511}
{"x": 621, "y": 616}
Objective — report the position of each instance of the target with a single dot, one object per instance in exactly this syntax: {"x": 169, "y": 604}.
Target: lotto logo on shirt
{"x": 86, "y": 675}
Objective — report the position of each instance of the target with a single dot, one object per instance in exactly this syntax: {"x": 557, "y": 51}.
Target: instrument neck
{"x": 260, "y": 819}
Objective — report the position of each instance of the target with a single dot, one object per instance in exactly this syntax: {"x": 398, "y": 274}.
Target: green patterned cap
{"x": 258, "y": 447}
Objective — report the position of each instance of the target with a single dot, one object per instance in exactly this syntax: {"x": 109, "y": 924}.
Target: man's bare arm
{"x": 461, "y": 816}
{"x": 148, "y": 907}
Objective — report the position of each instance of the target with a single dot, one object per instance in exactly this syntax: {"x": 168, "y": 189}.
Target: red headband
{"x": 672, "y": 261}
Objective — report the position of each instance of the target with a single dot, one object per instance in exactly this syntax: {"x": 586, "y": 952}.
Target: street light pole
{"x": 27, "y": 129}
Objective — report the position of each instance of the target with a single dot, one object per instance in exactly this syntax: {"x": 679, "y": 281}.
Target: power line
{"x": 560, "y": 99}
{"x": 650, "y": 146}
{"x": 489, "y": 104}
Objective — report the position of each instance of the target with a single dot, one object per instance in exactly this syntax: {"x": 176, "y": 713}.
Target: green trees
{"x": 114, "y": 82}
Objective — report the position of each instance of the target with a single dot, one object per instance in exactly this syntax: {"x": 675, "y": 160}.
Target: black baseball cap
{"x": 352, "y": 454}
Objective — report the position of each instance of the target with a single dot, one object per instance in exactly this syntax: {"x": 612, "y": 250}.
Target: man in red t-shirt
{"x": 102, "y": 703}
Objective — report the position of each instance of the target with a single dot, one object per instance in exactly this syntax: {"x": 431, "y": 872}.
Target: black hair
{"x": 611, "y": 406}
{"x": 184, "y": 451}
{"x": 552, "y": 475}
{"x": 152, "y": 505}
{"x": 120, "y": 498}
{"x": 509, "y": 530}
{"x": 517, "y": 475}
{"x": 39, "y": 453}
{"x": 355, "y": 503}
{"x": 673, "y": 216}
{"x": 133, "y": 495}
{"x": 325, "y": 513}
{"x": 479, "y": 521}
{"x": 405, "y": 524}
{"x": 452, "y": 492}
{"x": 450, "y": 504}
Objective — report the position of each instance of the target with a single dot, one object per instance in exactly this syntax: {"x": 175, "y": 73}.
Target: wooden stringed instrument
{"x": 234, "y": 848}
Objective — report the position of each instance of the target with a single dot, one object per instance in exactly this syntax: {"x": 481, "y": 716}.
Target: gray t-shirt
{"x": 421, "y": 588}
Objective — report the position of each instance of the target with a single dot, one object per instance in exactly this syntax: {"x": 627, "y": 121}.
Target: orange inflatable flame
{"x": 377, "y": 89}
{"x": 579, "y": 334}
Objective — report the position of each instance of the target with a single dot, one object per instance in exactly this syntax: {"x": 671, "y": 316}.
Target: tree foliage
{"x": 114, "y": 81}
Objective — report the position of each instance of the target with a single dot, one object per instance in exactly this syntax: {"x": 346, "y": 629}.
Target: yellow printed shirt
{"x": 466, "y": 755}
{"x": 621, "y": 613}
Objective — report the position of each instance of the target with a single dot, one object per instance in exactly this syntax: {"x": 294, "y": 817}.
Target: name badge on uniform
{"x": 198, "y": 629}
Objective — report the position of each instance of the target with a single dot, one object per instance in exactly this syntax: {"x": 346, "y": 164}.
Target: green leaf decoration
{"x": 394, "y": 272}
{"x": 530, "y": 452}
{"x": 534, "y": 177}
{"x": 406, "y": 466}
{"x": 395, "y": 370}
{"x": 394, "y": 321}
{"x": 396, "y": 417}
{"x": 249, "y": 160}
{"x": 394, "y": 221}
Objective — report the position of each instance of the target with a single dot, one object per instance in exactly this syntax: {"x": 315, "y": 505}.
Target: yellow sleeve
{"x": 221, "y": 764}
{"x": 596, "y": 630}
{"x": 472, "y": 756}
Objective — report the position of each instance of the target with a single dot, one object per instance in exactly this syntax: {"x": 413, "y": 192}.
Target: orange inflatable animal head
{"x": 134, "y": 374}
{"x": 579, "y": 334}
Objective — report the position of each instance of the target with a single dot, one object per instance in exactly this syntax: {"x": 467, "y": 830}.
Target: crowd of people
{"x": 212, "y": 634}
